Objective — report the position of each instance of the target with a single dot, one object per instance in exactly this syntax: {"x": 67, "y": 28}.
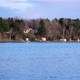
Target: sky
{"x": 32, "y": 9}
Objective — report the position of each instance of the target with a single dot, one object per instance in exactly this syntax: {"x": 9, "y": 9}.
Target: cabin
{"x": 78, "y": 40}
{"x": 41, "y": 38}
{"x": 63, "y": 40}
{"x": 5, "y": 36}
{"x": 27, "y": 39}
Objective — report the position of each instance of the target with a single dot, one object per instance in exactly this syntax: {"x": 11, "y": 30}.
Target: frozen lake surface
{"x": 39, "y": 61}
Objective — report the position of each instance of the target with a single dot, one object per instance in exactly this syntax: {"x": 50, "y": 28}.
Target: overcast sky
{"x": 40, "y": 8}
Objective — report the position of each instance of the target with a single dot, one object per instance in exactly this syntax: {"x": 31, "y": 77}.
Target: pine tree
{"x": 42, "y": 29}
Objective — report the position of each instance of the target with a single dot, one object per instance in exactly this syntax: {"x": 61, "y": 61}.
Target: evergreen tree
{"x": 42, "y": 29}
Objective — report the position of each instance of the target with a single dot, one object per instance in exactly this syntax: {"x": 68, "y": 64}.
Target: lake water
{"x": 39, "y": 61}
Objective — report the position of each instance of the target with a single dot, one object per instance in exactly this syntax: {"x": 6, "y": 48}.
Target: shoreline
{"x": 14, "y": 41}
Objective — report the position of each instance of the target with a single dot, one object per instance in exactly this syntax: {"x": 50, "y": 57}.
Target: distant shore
{"x": 11, "y": 41}
{"x": 15, "y": 41}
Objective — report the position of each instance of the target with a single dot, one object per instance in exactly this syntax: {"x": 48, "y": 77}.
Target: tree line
{"x": 53, "y": 30}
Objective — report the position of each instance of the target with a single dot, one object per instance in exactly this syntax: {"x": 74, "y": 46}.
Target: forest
{"x": 34, "y": 29}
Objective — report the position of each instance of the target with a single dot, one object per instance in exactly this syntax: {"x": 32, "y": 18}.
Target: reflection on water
{"x": 39, "y": 61}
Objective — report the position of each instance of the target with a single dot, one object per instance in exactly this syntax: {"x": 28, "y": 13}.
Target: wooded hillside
{"x": 56, "y": 29}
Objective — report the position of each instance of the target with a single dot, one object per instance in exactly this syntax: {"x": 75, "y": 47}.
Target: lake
{"x": 39, "y": 61}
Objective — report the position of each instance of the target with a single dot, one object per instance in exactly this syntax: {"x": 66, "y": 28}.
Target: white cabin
{"x": 78, "y": 40}
{"x": 27, "y": 39}
{"x": 44, "y": 39}
{"x": 64, "y": 40}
